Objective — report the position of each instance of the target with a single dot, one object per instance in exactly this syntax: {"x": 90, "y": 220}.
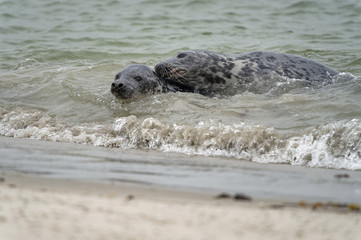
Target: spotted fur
{"x": 211, "y": 73}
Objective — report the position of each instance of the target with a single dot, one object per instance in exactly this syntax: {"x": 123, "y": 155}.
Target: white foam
{"x": 335, "y": 145}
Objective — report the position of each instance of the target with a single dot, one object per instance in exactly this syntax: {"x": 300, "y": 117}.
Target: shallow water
{"x": 171, "y": 170}
{"x": 58, "y": 60}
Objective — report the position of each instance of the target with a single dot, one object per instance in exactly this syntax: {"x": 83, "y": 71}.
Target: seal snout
{"x": 117, "y": 85}
{"x": 161, "y": 70}
{"x": 120, "y": 90}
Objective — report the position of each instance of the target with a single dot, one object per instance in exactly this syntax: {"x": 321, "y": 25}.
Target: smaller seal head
{"x": 135, "y": 80}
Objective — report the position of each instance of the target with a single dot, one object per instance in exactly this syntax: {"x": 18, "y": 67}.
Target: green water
{"x": 76, "y": 33}
{"x": 58, "y": 59}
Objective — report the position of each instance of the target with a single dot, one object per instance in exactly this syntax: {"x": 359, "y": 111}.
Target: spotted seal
{"x": 211, "y": 73}
{"x": 136, "y": 80}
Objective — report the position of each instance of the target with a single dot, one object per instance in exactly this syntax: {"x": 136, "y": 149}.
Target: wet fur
{"x": 211, "y": 73}
{"x": 136, "y": 80}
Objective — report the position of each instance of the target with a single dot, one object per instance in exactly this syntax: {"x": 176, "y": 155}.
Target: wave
{"x": 334, "y": 145}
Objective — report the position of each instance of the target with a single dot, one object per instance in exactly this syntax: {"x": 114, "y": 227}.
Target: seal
{"x": 211, "y": 73}
{"x": 136, "y": 80}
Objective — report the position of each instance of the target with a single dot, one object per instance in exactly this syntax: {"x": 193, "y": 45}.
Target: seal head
{"x": 135, "y": 80}
{"x": 197, "y": 70}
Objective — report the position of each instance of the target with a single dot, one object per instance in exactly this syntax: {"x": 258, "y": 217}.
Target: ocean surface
{"x": 59, "y": 58}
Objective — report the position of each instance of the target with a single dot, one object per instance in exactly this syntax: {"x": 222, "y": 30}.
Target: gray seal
{"x": 212, "y": 73}
{"x": 136, "y": 80}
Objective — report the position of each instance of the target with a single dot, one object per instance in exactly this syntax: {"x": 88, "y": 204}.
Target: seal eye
{"x": 181, "y": 55}
{"x": 138, "y": 78}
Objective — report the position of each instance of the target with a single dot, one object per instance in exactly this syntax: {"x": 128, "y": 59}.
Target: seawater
{"x": 58, "y": 59}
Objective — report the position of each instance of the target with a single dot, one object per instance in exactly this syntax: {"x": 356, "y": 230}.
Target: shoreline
{"x": 179, "y": 171}
{"x": 42, "y": 208}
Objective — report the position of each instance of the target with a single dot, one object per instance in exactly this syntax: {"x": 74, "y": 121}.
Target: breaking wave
{"x": 334, "y": 145}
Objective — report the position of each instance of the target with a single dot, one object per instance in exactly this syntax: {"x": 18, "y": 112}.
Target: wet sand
{"x": 42, "y": 208}
{"x": 180, "y": 171}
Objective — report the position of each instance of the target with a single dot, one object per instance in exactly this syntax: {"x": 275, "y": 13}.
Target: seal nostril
{"x": 116, "y": 85}
{"x": 162, "y": 70}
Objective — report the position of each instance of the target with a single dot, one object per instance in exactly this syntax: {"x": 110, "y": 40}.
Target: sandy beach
{"x": 41, "y": 208}
{"x": 275, "y": 156}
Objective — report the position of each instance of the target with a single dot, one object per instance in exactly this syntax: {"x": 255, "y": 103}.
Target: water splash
{"x": 334, "y": 145}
